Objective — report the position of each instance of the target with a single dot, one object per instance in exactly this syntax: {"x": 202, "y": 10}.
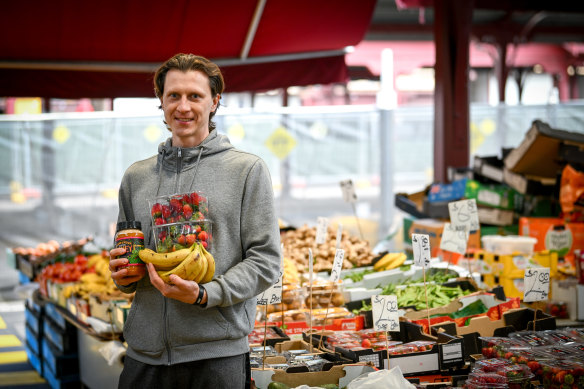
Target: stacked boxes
{"x": 34, "y": 317}
{"x": 59, "y": 350}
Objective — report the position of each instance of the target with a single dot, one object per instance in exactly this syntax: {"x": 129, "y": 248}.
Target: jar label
{"x": 133, "y": 245}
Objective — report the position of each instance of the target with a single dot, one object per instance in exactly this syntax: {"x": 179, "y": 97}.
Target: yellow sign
{"x": 281, "y": 143}
{"x": 152, "y": 133}
{"x": 29, "y": 105}
{"x": 61, "y": 134}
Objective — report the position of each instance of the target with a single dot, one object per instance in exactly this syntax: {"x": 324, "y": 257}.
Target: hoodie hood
{"x": 179, "y": 159}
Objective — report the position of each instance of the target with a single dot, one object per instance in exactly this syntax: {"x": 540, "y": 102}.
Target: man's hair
{"x": 185, "y": 63}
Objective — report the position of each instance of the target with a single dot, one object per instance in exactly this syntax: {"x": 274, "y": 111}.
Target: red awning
{"x": 72, "y": 49}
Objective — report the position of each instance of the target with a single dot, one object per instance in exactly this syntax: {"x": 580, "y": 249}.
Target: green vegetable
{"x": 358, "y": 276}
{"x": 329, "y": 386}
{"x": 277, "y": 385}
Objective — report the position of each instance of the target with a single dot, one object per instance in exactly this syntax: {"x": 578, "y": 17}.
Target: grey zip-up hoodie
{"x": 246, "y": 248}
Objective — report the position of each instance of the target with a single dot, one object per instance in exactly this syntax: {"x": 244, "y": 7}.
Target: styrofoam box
{"x": 508, "y": 244}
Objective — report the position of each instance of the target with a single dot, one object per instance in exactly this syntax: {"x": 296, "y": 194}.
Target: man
{"x": 181, "y": 334}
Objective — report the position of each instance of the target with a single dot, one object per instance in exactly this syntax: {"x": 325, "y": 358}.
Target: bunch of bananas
{"x": 97, "y": 281}
{"x": 389, "y": 261}
{"x": 194, "y": 263}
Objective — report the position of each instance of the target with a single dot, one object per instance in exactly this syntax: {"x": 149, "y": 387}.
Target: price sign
{"x": 453, "y": 239}
{"x": 322, "y": 224}
{"x": 348, "y": 191}
{"x": 337, "y": 265}
{"x": 464, "y": 214}
{"x": 421, "y": 247}
{"x": 385, "y": 315}
{"x": 273, "y": 295}
{"x": 536, "y": 284}
{"x": 339, "y": 235}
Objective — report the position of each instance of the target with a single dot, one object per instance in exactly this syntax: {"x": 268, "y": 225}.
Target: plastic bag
{"x": 381, "y": 379}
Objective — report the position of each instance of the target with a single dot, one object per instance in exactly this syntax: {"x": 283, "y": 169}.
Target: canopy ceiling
{"x": 72, "y": 48}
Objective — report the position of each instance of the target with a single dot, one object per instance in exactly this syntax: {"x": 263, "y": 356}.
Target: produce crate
{"x": 34, "y": 320}
{"x": 33, "y": 339}
{"x": 65, "y": 340}
{"x": 66, "y": 382}
{"x": 58, "y": 363}
{"x": 34, "y": 359}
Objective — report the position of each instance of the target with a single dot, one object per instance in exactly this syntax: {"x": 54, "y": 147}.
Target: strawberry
{"x": 156, "y": 210}
{"x": 203, "y": 236}
{"x": 159, "y": 221}
{"x": 165, "y": 211}
{"x": 197, "y": 229}
{"x": 175, "y": 205}
{"x": 190, "y": 238}
{"x": 366, "y": 343}
{"x": 194, "y": 198}
{"x": 186, "y": 199}
{"x": 182, "y": 239}
{"x": 187, "y": 211}
{"x": 205, "y": 244}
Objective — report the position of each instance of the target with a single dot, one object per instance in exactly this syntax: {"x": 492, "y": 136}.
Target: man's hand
{"x": 181, "y": 290}
{"x": 121, "y": 276}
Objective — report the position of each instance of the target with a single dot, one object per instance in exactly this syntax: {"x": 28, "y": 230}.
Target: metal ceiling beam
{"x": 149, "y": 67}
{"x": 253, "y": 26}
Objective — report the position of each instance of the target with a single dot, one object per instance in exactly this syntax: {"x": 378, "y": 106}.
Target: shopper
{"x": 175, "y": 340}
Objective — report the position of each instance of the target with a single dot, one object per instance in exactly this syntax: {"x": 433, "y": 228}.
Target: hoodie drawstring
{"x": 197, "y": 167}
{"x": 160, "y": 172}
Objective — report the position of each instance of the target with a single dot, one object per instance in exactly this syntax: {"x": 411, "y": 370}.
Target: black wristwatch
{"x": 199, "y": 299}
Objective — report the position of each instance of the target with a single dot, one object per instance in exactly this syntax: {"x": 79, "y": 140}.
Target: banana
{"x": 190, "y": 266}
{"x": 384, "y": 261}
{"x": 396, "y": 262}
{"x": 210, "y": 268}
{"x": 164, "y": 261}
{"x": 203, "y": 271}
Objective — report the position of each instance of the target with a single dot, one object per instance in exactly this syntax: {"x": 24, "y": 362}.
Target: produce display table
{"x": 94, "y": 370}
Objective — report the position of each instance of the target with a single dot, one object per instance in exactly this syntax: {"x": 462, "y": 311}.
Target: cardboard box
{"x": 496, "y": 196}
{"x": 534, "y": 185}
{"x": 340, "y": 375}
{"x": 538, "y": 153}
{"x": 453, "y": 191}
{"x": 489, "y": 167}
{"x": 554, "y": 234}
{"x": 566, "y": 291}
{"x": 494, "y": 216}
{"x": 433, "y": 228}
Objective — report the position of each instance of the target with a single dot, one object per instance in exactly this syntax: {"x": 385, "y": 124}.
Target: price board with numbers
{"x": 337, "y": 265}
{"x": 536, "y": 284}
{"x": 385, "y": 313}
{"x": 453, "y": 239}
{"x": 464, "y": 214}
{"x": 421, "y": 249}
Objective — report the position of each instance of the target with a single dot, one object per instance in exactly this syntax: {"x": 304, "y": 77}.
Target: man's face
{"x": 187, "y": 103}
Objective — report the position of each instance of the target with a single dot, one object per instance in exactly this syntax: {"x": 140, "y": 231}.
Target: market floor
{"x": 16, "y": 370}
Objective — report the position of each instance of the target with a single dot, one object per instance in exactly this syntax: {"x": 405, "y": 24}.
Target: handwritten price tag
{"x": 337, "y": 265}
{"x": 536, "y": 284}
{"x": 385, "y": 315}
{"x": 322, "y": 224}
{"x": 464, "y": 214}
{"x": 421, "y": 248}
{"x": 348, "y": 191}
{"x": 454, "y": 240}
{"x": 273, "y": 295}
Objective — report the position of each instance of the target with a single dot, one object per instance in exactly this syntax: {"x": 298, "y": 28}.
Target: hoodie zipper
{"x": 165, "y": 331}
{"x": 179, "y": 163}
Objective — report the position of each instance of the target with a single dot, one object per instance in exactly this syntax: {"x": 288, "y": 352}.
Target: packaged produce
{"x": 559, "y": 374}
{"x": 533, "y": 339}
{"x": 497, "y": 347}
{"x": 129, "y": 236}
{"x": 497, "y": 372}
{"x": 179, "y": 208}
{"x": 558, "y": 336}
{"x": 324, "y": 294}
{"x": 177, "y": 236}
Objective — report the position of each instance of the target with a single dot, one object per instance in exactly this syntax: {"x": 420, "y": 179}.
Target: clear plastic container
{"x": 176, "y": 236}
{"x": 509, "y": 244}
{"x": 176, "y": 208}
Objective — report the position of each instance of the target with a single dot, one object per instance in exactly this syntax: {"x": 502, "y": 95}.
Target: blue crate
{"x": 33, "y": 321}
{"x": 53, "y": 313}
{"x": 23, "y": 278}
{"x": 64, "y": 340}
{"x": 59, "y": 363}
{"x": 65, "y": 382}
{"x": 34, "y": 359}
{"x": 33, "y": 340}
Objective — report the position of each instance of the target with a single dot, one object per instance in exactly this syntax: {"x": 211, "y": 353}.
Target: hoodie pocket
{"x": 143, "y": 329}
{"x": 190, "y": 324}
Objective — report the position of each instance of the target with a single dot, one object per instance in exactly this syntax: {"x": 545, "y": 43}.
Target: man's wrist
{"x": 199, "y": 300}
